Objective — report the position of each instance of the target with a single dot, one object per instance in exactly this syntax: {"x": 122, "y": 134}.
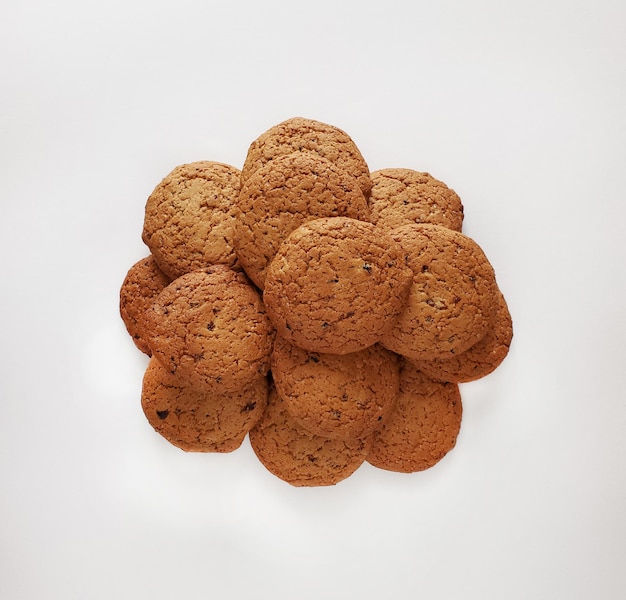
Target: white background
{"x": 519, "y": 106}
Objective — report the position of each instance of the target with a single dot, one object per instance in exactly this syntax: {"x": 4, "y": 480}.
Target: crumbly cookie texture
{"x": 299, "y": 457}
{"x": 453, "y": 295}
{"x": 403, "y": 196}
{"x": 325, "y": 311}
{"x": 336, "y": 285}
{"x": 189, "y": 218}
{"x": 297, "y": 134}
{"x": 336, "y": 396}
{"x": 482, "y": 358}
{"x": 196, "y": 421}
{"x": 422, "y": 427}
{"x": 283, "y": 194}
{"x": 210, "y": 328}
{"x": 142, "y": 284}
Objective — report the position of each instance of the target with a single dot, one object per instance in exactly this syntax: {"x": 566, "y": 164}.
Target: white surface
{"x": 517, "y": 105}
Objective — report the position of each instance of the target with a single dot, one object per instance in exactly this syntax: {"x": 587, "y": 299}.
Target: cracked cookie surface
{"x": 142, "y": 284}
{"x": 482, "y": 358}
{"x": 452, "y": 298}
{"x": 337, "y": 396}
{"x": 336, "y": 285}
{"x": 210, "y": 328}
{"x": 422, "y": 427}
{"x": 283, "y": 194}
{"x": 189, "y": 218}
{"x": 299, "y": 457}
{"x": 403, "y": 196}
{"x": 297, "y": 134}
{"x": 194, "y": 420}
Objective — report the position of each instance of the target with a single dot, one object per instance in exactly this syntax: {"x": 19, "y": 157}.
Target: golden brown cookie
{"x": 423, "y": 426}
{"x": 196, "y": 421}
{"x": 209, "y": 327}
{"x": 189, "y": 218}
{"x": 403, "y": 196}
{"x": 453, "y": 296}
{"x": 283, "y": 194}
{"x": 142, "y": 284}
{"x": 336, "y": 396}
{"x": 298, "y": 456}
{"x": 336, "y": 285}
{"x": 482, "y": 358}
{"x": 297, "y": 134}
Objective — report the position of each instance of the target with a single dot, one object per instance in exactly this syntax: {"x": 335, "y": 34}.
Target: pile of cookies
{"x": 324, "y": 312}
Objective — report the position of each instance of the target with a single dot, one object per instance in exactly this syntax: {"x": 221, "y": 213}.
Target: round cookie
{"x": 482, "y": 358}
{"x": 142, "y": 284}
{"x": 403, "y": 196}
{"x": 336, "y": 396}
{"x": 196, "y": 421}
{"x": 336, "y": 285}
{"x": 189, "y": 218}
{"x": 209, "y": 327}
{"x": 423, "y": 426}
{"x": 299, "y": 134}
{"x": 298, "y": 456}
{"x": 453, "y": 296}
{"x": 283, "y": 194}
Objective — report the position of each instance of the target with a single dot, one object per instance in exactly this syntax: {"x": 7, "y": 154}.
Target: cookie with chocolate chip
{"x": 189, "y": 218}
{"x": 195, "y": 420}
{"x": 210, "y": 328}
{"x": 283, "y": 194}
{"x": 482, "y": 358}
{"x": 299, "y": 457}
{"x": 336, "y": 285}
{"x": 403, "y": 196}
{"x": 422, "y": 427}
{"x": 337, "y": 396}
{"x": 452, "y": 297}
{"x": 299, "y": 134}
